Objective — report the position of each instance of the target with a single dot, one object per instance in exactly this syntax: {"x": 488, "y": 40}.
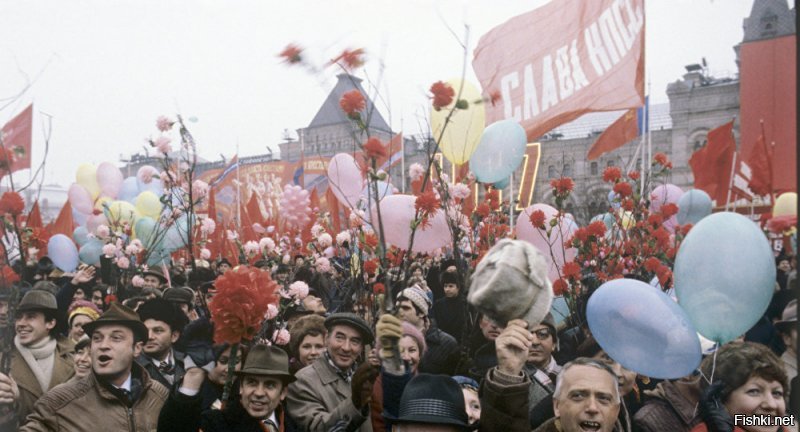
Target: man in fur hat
{"x": 164, "y": 322}
{"x": 450, "y": 312}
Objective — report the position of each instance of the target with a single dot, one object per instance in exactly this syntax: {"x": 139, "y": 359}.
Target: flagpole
{"x": 730, "y": 183}
{"x": 649, "y": 132}
{"x": 238, "y": 189}
{"x": 511, "y": 202}
{"x": 642, "y": 142}
{"x": 402, "y": 159}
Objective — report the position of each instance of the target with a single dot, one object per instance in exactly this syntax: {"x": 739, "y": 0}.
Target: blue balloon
{"x": 643, "y": 329}
{"x": 724, "y": 275}
{"x": 384, "y": 190}
{"x": 158, "y": 257}
{"x": 693, "y": 205}
{"x": 129, "y": 190}
{"x": 502, "y": 184}
{"x": 63, "y": 252}
{"x": 80, "y": 235}
{"x": 500, "y": 151}
{"x": 607, "y": 219}
{"x": 78, "y": 217}
{"x": 145, "y": 228}
{"x": 613, "y": 200}
{"x": 91, "y": 251}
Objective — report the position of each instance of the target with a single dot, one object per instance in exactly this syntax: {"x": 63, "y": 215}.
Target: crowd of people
{"x": 79, "y": 357}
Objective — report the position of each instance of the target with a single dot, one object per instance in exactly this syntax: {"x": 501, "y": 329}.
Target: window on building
{"x": 567, "y": 172}
{"x": 609, "y": 164}
{"x": 699, "y": 143}
{"x": 594, "y": 168}
{"x": 551, "y": 171}
{"x": 638, "y": 163}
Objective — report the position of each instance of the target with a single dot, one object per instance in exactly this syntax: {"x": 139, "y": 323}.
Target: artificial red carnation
{"x": 661, "y": 159}
{"x": 374, "y": 149}
{"x": 655, "y": 220}
{"x": 581, "y": 235}
{"x": 652, "y": 264}
{"x": 291, "y": 54}
{"x": 662, "y": 237}
{"x": 11, "y": 203}
{"x": 669, "y": 210}
{"x": 627, "y": 204}
{"x": 685, "y": 228}
{"x": 537, "y": 219}
{"x": 352, "y": 102}
{"x": 370, "y": 267}
{"x": 612, "y": 174}
{"x": 371, "y": 240}
{"x": 243, "y": 296}
{"x": 379, "y": 288}
{"x": 562, "y": 185}
{"x": 495, "y": 97}
{"x": 623, "y": 189}
{"x": 350, "y": 59}
{"x": 483, "y": 210}
{"x": 443, "y": 95}
{"x": 571, "y": 270}
{"x": 427, "y": 203}
{"x": 664, "y": 276}
{"x": 597, "y": 229}
{"x": 634, "y": 175}
{"x": 560, "y": 287}
{"x": 493, "y": 197}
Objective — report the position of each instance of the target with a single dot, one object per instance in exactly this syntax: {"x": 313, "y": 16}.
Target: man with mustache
{"x": 540, "y": 366}
{"x": 39, "y": 361}
{"x": 333, "y": 391}
{"x": 118, "y": 395}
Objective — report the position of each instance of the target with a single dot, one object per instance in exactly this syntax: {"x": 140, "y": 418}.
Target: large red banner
{"x": 562, "y": 60}
{"x": 768, "y": 92}
{"x": 16, "y": 136}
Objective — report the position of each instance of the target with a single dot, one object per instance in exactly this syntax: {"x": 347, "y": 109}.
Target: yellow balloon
{"x": 463, "y": 132}
{"x": 98, "y": 205}
{"x": 626, "y": 219}
{"x": 121, "y": 212}
{"x": 148, "y": 204}
{"x": 86, "y": 176}
{"x": 785, "y": 205}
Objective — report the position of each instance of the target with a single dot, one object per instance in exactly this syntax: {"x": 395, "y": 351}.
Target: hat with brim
{"x": 118, "y": 314}
{"x": 267, "y": 360}
{"x": 788, "y": 318}
{"x": 38, "y": 300}
{"x": 351, "y": 320}
{"x": 157, "y": 272}
{"x": 432, "y": 399}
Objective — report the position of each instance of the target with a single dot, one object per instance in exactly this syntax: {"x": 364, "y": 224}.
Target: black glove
{"x": 713, "y": 411}
{"x": 198, "y": 336}
{"x": 361, "y": 384}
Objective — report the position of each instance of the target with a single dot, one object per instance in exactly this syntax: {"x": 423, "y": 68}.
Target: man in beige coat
{"x": 39, "y": 361}
{"x": 333, "y": 393}
{"x": 117, "y": 396}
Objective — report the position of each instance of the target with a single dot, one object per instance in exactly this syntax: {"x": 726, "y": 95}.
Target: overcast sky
{"x": 104, "y": 70}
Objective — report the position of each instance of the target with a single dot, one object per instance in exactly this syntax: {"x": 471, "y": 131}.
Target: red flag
{"x": 63, "y": 223}
{"x": 245, "y": 230}
{"x": 254, "y": 210}
{"x": 34, "y": 217}
{"x": 212, "y": 205}
{"x": 16, "y": 138}
{"x": 587, "y": 56}
{"x": 760, "y": 162}
{"x": 333, "y": 207}
{"x": 711, "y": 165}
{"x": 621, "y": 132}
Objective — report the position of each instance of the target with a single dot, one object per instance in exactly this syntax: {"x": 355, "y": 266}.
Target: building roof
{"x": 598, "y": 121}
{"x": 330, "y": 113}
{"x": 769, "y": 19}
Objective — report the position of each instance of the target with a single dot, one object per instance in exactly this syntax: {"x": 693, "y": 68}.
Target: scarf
{"x": 346, "y": 375}
{"x": 40, "y": 359}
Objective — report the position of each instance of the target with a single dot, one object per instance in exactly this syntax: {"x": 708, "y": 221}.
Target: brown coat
{"x": 29, "y": 389}
{"x": 320, "y": 399}
{"x": 85, "y": 405}
{"x": 672, "y": 406}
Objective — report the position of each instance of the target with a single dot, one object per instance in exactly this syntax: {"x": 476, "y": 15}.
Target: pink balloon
{"x": 109, "y": 177}
{"x": 552, "y": 247}
{"x": 397, "y": 212}
{"x": 344, "y": 176}
{"x": 94, "y": 221}
{"x": 666, "y": 194}
{"x": 80, "y": 198}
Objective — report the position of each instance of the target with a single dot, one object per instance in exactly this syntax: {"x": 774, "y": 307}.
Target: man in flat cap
{"x": 118, "y": 394}
{"x": 334, "y": 391}
{"x": 39, "y": 360}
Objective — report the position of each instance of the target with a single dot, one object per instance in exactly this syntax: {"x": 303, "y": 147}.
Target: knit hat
{"x": 511, "y": 282}
{"x": 433, "y": 399}
{"x": 82, "y": 307}
{"x": 417, "y": 297}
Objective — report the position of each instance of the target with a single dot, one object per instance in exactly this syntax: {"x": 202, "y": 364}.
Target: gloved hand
{"x": 712, "y": 410}
{"x": 361, "y": 384}
{"x": 198, "y": 336}
{"x": 389, "y": 330}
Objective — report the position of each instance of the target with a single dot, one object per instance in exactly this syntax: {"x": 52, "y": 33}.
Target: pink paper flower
{"x": 207, "y": 226}
{"x": 232, "y": 235}
{"x": 459, "y": 191}
{"x": 162, "y": 144}
{"x": 199, "y": 189}
{"x": 163, "y": 123}
{"x": 251, "y": 248}
{"x": 286, "y": 259}
{"x": 298, "y": 290}
{"x": 109, "y": 250}
{"x": 267, "y": 244}
{"x": 137, "y": 281}
{"x": 103, "y": 231}
{"x": 205, "y": 254}
{"x": 131, "y": 249}
{"x": 146, "y": 173}
{"x": 322, "y": 264}
{"x": 295, "y": 206}
{"x": 272, "y": 311}
{"x": 416, "y": 171}
{"x": 343, "y": 237}
{"x": 317, "y": 230}
{"x": 281, "y": 337}
{"x": 123, "y": 262}
{"x": 325, "y": 240}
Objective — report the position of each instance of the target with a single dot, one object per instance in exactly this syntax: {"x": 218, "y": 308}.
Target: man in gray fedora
{"x": 39, "y": 360}
{"x": 263, "y": 385}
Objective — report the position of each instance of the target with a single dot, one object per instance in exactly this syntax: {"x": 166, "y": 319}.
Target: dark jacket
{"x": 147, "y": 363}
{"x": 451, "y": 316}
{"x": 443, "y": 353}
{"x": 504, "y": 403}
{"x": 671, "y": 407}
